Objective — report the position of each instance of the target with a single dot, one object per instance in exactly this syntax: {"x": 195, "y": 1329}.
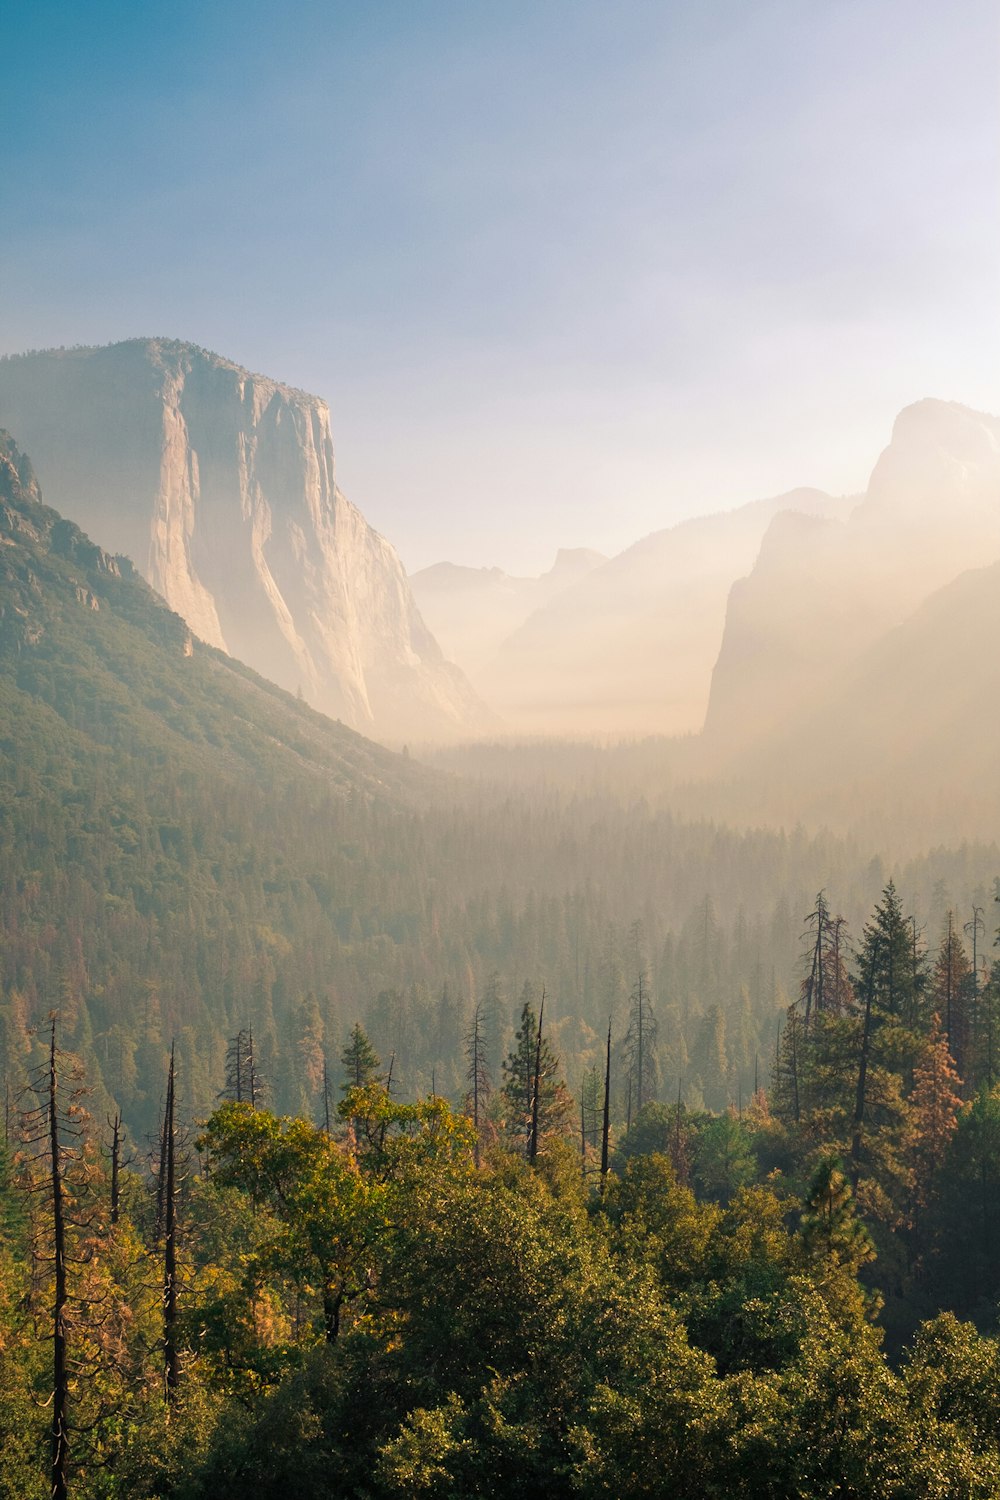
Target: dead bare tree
{"x": 606, "y": 1125}
{"x": 536, "y": 1087}
{"x": 66, "y": 1230}
{"x": 171, "y": 1358}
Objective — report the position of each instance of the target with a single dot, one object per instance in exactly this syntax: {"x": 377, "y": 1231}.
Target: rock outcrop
{"x": 823, "y": 591}
{"x": 219, "y": 484}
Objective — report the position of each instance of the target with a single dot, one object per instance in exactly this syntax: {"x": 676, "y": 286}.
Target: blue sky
{"x": 565, "y": 272}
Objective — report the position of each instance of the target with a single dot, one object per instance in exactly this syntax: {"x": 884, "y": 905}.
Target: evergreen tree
{"x": 951, "y": 993}
{"x": 709, "y": 1059}
{"x": 888, "y": 963}
{"x": 787, "y": 1085}
{"x": 533, "y": 1053}
{"x": 359, "y": 1060}
{"x": 831, "y": 1230}
{"x": 640, "y": 1038}
{"x": 491, "y": 1012}
{"x": 591, "y": 1107}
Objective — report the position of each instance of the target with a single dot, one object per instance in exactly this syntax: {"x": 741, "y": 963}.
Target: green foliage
{"x": 374, "y": 1309}
{"x": 529, "y": 1056}
{"x": 724, "y": 1161}
{"x": 964, "y": 1214}
{"x": 831, "y": 1231}
{"x": 359, "y": 1060}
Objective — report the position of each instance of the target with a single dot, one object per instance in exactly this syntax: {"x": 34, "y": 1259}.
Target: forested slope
{"x": 187, "y": 851}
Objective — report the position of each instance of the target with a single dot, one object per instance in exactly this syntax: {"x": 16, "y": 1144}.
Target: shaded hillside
{"x": 152, "y": 793}
{"x": 186, "y": 850}
{"x": 89, "y": 652}
{"x": 907, "y": 736}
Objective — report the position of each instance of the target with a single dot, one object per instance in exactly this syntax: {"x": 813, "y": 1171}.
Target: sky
{"x": 567, "y": 271}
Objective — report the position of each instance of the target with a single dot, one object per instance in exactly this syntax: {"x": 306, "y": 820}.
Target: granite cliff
{"x": 219, "y": 484}
{"x": 630, "y": 647}
{"x": 823, "y": 591}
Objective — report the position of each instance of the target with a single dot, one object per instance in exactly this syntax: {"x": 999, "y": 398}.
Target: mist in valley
{"x": 499, "y": 812}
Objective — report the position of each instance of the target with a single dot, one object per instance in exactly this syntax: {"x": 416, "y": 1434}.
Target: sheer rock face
{"x": 220, "y": 485}
{"x": 822, "y": 591}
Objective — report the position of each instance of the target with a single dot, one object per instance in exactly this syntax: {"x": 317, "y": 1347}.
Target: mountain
{"x": 823, "y": 591}
{"x": 471, "y": 611}
{"x": 220, "y": 485}
{"x": 905, "y": 739}
{"x": 630, "y": 648}
{"x": 94, "y": 663}
{"x": 186, "y": 850}
{"x": 181, "y": 842}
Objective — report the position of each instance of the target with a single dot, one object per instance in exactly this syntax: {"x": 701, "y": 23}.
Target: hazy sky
{"x": 566, "y": 271}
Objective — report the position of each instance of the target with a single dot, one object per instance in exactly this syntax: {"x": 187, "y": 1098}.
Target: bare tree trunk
{"x": 606, "y": 1127}
{"x": 252, "y": 1080}
{"x": 116, "y": 1151}
{"x": 161, "y": 1181}
{"x": 536, "y": 1090}
{"x": 171, "y": 1361}
{"x": 638, "y": 1091}
{"x": 475, "y": 1083}
{"x": 333, "y": 1299}
{"x": 60, "y": 1378}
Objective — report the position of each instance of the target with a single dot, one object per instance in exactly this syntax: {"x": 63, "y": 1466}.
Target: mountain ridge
{"x": 819, "y": 595}
{"x": 221, "y": 486}
{"x": 630, "y": 648}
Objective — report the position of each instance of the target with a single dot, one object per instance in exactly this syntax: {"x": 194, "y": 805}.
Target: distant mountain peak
{"x": 819, "y": 596}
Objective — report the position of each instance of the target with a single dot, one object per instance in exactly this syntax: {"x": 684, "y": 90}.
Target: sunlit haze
{"x": 565, "y": 273}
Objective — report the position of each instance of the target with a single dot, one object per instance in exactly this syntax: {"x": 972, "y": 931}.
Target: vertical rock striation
{"x": 220, "y": 485}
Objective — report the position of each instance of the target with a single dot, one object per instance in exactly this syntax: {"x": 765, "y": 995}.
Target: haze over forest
{"x": 499, "y": 814}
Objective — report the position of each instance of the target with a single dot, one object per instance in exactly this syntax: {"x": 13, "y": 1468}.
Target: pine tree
{"x": 591, "y": 1106}
{"x": 951, "y": 994}
{"x": 310, "y": 1033}
{"x": 830, "y": 1229}
{"x": 709, "y": 1059}
{"x": 359, "y": 1060}
{"x": 640, "y": 1038}
{"x": 888, "y": 963}
{"x": 530, "y": 1117}
{"x": 491, "y": 1012}
{"x": 788, "y": 1080}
